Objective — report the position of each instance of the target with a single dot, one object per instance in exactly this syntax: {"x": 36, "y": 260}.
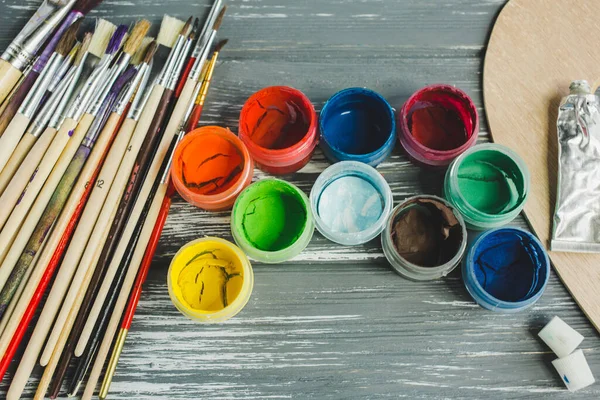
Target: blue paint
{"x": 566, "y": 379}
{"x": 357, "y": 124}
{"x": 350, "y": 204}
{"x": 506, "y": 270}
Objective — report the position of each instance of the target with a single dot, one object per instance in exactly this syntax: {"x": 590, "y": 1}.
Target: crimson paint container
{"x": 278, "y": 124}
{"x": 437, "y": 124}
{"x": 211, "y": 167}
{"x": 357, "y": 124}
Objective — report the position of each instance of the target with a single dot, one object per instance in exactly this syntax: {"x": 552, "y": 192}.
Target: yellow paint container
{"x": 210, "y": 280}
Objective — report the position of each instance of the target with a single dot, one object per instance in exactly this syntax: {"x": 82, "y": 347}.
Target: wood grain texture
{"x": 337, "y": 322}
{"x": 534, "y": 53}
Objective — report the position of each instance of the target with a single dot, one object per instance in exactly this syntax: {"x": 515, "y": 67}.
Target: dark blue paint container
{"x": 506, "y": 270}
{"x": 357, "y": 124}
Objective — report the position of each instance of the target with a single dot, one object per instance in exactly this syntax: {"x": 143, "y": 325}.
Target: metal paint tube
{"x": 577, "y": 214}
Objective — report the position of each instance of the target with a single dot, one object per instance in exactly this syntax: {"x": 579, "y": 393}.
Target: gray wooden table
{"x": 335, "y": 323}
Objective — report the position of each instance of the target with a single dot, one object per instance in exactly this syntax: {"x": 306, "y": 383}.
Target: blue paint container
{"x": 506, "y": 270}
{"x": 357, "y": 124}
{"x": 351, "y": 202}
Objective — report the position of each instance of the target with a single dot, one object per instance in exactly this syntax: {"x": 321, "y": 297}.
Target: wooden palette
{"x": 536, "y": 49}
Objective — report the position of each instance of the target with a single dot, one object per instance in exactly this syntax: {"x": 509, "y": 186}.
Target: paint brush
{"x": 166, "y": 39}
{"x": 64, "y": 227}
{"x": 21, "y": 52}
{"x": 103, "y": 271}
{"x": 14, "y": 126}
{"x": 74, "y": 129}
{"x": 195, "y": 117}
{"x": 80, "y": 8}
{"x": 63, "y": 189}
{"x": 63, "y": 278}
{"x": 156, "y": 233}
{"x": 16, "y": 199}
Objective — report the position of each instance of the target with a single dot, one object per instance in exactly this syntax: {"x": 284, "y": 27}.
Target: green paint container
{"x": 488, "y": 185}
{"x": 272, "y": 221}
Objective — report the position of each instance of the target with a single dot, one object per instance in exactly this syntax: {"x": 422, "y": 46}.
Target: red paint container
{"x": 211, "y": 167}
{"x": 437, "y": 124}
{"x": 278, "y": 124}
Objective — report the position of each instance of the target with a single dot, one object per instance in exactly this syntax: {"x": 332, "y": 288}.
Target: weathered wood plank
{"x": 336, "y": 322}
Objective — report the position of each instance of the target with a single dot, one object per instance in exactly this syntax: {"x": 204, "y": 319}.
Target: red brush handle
{"x": 134, "y": 298}
{"x": 184, "y": 76}
{"x": 195, "y": 117}
{"x": 44, "y": 282}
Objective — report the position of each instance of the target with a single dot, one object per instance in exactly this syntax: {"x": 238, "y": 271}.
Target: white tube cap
{"x": 574, "y": 371}
{"x": 560, "y": 337}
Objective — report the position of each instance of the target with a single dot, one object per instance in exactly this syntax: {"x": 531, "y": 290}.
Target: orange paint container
{"x": 211, "y": 166}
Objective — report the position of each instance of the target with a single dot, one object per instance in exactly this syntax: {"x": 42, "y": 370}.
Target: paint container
{"x": 350, "y": 202}
{"x": 271, "y": 221}
{"x": 425, "y": 238}
{"x": 210, "y": 280}
{"x": 506, "y": 270}
{"x": 488, "y": 184}
{"x": 437, "y": 124}
{"x": 211, "y": 166}
{"x": 278, "y": 124}
{"x": 357, "y": 124}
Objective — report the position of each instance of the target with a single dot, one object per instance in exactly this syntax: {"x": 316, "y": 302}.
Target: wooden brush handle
{"x": 12, "y": 107}
{"x": 14, "y": 162}
{"x": 11, "y": 137}
{"x": 9, "y": 76}
{"x": 121, "y": 301}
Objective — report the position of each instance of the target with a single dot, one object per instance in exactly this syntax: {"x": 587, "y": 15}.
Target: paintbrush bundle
{"x": 86, "y": 141}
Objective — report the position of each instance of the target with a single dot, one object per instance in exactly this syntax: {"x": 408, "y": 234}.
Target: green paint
{"x": 491, "y": 182}
{"x": 271, "y": 214}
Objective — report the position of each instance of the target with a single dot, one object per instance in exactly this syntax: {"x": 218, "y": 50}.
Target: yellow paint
{"x": 209, "y": 276}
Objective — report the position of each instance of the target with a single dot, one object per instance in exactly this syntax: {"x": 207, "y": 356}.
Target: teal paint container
{"x": 488, "y": 185}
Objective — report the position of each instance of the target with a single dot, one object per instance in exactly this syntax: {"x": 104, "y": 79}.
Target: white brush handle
{"x": 11, "y": 136}
{"x": 117, "y": 313}
{"x": 151, "y": 176}
{"x": 99, "y": 235}
{"x": 26, "y": 144}
{"x": 9, "y": 77}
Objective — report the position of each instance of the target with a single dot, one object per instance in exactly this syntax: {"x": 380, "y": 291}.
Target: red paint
{"x": 437, "y": 124}
{"x": 211, "y": 166}
{"x": 278, "y": 124}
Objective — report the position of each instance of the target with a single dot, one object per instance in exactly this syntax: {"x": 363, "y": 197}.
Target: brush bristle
{"x": 220, "y": 45}
{"x": 85, "y": 6}
{"x": 85, "y": 46}
{"x": 67, "y": 40}
{"x": 136, "y": 37}
{"x": 169, "y": 30}
{"x": 219, "y": 19}
{"x": 138, "y": 57}
{"x": 196, "y": 29}
{"x": 187, "y": 27}
{"x": 150, "y": 52}
{"x": 102, "y": 34}
{"x": 117, "y": 39}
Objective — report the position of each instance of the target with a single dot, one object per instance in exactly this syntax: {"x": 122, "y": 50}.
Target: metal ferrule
{"x": 197, "y": 68}
{"x": 23, "y": 57}
{"x": 89, "y": 91}
{"x": 36, "y": 93}
{"x": 63, "y": 69}
{"x": 113, "y": 75}
{"x": 142, "y": 95}
{"x": 77, "y": 83}
{"x": 210, "y": 21}
{"x": 174, "y": 78}
{"x": 50, "y": 108}
{"x": 180, "y": 133}
{"x": 131, "y": 90}
{"x": 41, "y": 16}
{"x": 169, "y": 67}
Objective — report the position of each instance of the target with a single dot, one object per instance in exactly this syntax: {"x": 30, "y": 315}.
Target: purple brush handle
{"x": 49, "y": 49}
{"x": 16, "y": 100}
